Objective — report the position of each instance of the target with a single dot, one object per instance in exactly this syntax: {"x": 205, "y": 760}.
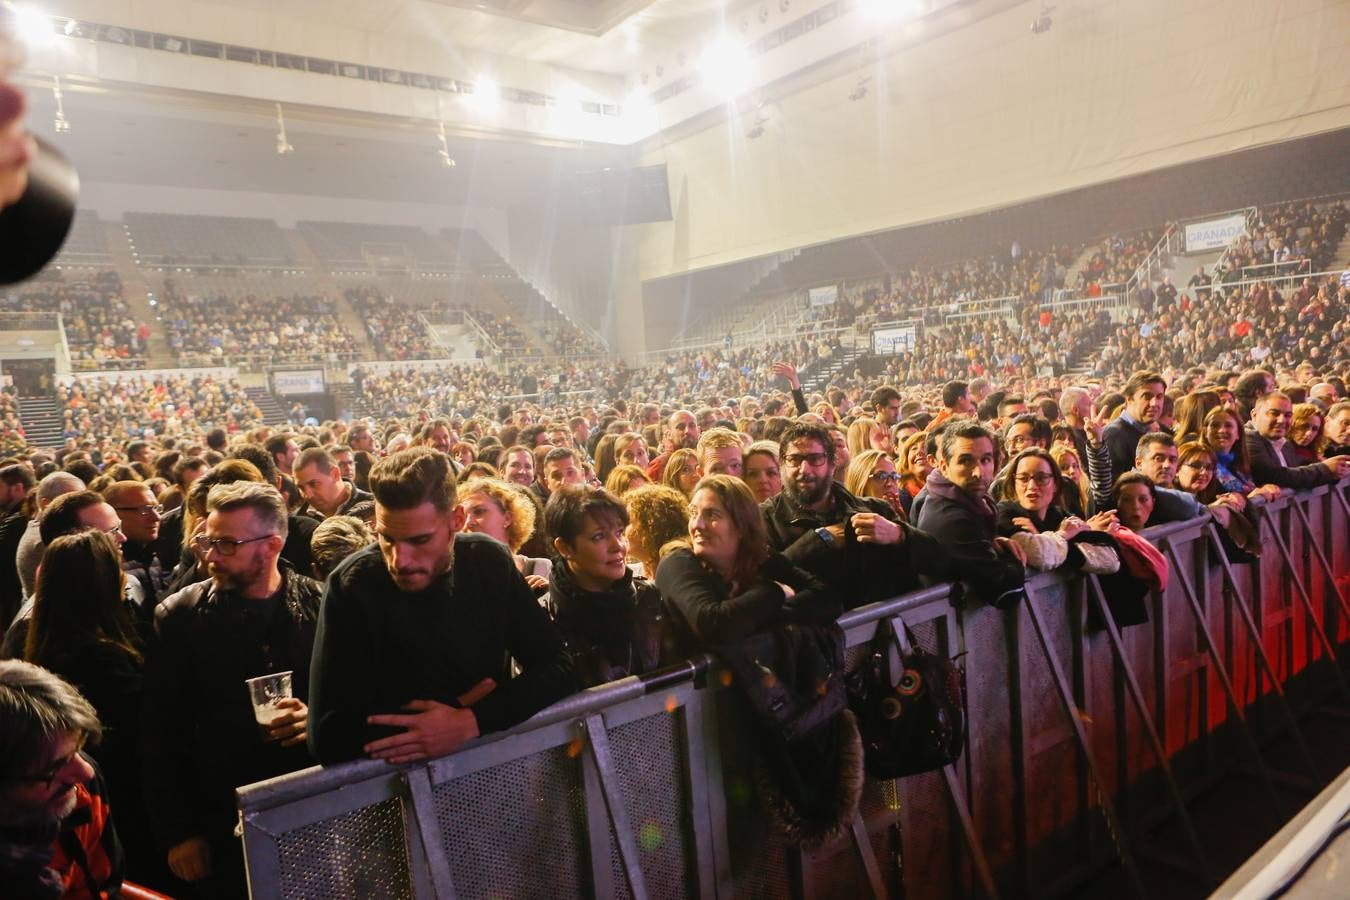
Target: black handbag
{"x": 791, "y": 676}
{"x": 910, "y": 724}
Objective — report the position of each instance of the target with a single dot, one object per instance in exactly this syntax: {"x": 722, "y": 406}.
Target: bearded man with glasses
{"x": 254, "y": 616}
{"x": 857, "y": 545}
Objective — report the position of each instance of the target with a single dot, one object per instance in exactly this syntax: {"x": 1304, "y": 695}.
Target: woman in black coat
{"x": 613, "y": 623}
{"x": 725, "y": 585}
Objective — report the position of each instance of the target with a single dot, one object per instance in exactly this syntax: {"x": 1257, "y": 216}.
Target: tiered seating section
{"x": 395, "y": 328}
{"x": 100, "y": 328}
{"x": 127, "y": 407}
{"x": 182, "y": 240}
{"x": 254, "y": 321}
{"x": 206, "y": 329}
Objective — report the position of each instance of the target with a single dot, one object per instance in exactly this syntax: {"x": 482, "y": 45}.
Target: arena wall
{"x": 1114, "y": 89}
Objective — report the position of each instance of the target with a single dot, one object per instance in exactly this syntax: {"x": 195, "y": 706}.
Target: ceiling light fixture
{"x": 283, "y": 146}
{"x": 725, "y": 66}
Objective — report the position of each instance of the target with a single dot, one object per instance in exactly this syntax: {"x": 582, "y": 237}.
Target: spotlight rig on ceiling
{"x": 283, "y": 146}
{"x": 61, "y": 124}
{"x": 1041, "y": 24}
{"x": 447, "y": 160}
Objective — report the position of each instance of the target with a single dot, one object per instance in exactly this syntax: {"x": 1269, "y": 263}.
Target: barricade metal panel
{"x": 531, "y": 813}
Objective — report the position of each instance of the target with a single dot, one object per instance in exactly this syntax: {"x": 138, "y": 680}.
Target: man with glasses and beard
{"x": 254, "y": 616}
{"x": 854, "y": 544}
{"x": 56, "y": 831}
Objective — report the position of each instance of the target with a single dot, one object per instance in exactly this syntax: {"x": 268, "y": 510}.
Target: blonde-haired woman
{"x": 872, "y": 474}
{"x": 503, "y": 511}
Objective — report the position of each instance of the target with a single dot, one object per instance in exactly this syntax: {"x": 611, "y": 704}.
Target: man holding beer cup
{"x": 226, "y": 683}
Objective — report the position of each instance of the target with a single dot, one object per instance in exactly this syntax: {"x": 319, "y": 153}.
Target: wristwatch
{"x": 825, "y": 535}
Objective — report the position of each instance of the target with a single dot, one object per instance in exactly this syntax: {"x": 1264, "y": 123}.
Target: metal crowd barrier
{"x": 1082, "y": 737}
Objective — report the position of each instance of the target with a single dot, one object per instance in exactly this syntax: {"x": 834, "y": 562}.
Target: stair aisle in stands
{"x": 273, "y": 411}
{"x": 42, "y": 420}
{"x": 136, "y": 292}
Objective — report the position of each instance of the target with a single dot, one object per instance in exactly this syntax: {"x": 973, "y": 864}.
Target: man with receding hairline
{"x": 1266, "y": 438}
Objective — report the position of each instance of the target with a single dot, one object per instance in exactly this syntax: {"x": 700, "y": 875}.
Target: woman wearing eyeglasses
{"x": 872, "y": 474}
{"x": 1032, "y": 512}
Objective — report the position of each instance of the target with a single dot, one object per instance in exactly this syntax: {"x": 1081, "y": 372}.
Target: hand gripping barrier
{"x": 1082, "y": 739}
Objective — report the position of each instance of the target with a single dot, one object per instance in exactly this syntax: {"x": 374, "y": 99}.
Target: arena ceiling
{"x": 608, "y": 36}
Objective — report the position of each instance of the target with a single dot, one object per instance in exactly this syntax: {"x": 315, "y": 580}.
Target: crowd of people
{"x": 396, "y": 331}
{"x": 1114, "y": 262}
{"x": 1288, "y": 238}
{"x": 1237, "y": 327}
{"x": 100, "y": 329}
{"x": 214, "y": 330}
{"x": 1025, "y": 274}
{"x": 615, "y": 533}
{"x": 12, "y": 435}
{"x": 132, "y": 406}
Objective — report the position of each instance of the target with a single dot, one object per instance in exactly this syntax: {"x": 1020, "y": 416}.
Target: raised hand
{"x": 789, "y": 371}
{"x": 1095, "y": 425}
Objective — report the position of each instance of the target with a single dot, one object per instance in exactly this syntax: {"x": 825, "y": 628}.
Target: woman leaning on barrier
{"x": 1232, "y": 469}
{"x": 724, "y": 584}
{"x": 1031, "y": 512}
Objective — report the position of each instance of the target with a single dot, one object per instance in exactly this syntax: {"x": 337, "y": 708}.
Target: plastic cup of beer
{"x": 265, "y": 691}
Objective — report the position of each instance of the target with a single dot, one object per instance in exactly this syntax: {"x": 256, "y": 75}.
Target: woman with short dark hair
{"x": 612, "y": 622}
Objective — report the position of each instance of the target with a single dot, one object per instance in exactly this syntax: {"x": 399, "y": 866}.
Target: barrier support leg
{"x": 982, "y": 870}
{"x": 1071, "y": 713}
{"x": 1254, "y": 633}
{"x": 428, "y": 830}
{"x": 1213, "y": 649}
{"x": 598, "y": 753}
{"x": 1137, "y": 695}
{"x": 867, "y": 857}
{"x": 1303, "y": 595}
{"x": 1322, "y": 558}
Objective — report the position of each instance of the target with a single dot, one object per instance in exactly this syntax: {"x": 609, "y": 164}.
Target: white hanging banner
{"x": 823, "y": 296}
{"x": 1215, "y": 234}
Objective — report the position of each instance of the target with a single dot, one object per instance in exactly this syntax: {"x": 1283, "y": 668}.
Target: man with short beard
{"x": 682, "y": 432}
{"x": 854, "y": 544}
{"x": 254, "y": 616}
{"x": 56, "y": 830}
{"x": 960, "y": 514}
{"x": 431, "y": 637}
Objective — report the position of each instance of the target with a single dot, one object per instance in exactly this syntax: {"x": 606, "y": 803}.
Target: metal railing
{"x": 1290, "y": 267}
{"x": 30, "y": 321}
{"x": 485, "y": 340}
{"x": 1287, "y": 281}
{"x": 1082, "y": 736}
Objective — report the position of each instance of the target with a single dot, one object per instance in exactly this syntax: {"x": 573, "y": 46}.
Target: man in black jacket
{"x": 1143, "y": 403}
{"x": 1266, "y": 438}
{"x": 853, "y": 544}
{"x": 200, "y": 739}
{"x": 416, "y": 634}
{"x": 960, "y": 514}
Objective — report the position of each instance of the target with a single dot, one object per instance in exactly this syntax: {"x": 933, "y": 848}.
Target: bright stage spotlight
{"x": 725, "y": 66}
